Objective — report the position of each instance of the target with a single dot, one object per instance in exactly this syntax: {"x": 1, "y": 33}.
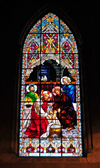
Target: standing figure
{"x": 68, "y": 88}
{"x": 63, "y": 108}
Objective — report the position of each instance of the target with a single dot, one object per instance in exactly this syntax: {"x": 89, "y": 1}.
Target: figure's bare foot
{"x": 49, "y": 117}
{"x": 54, "y": 116}
{"x": 59, "y": 110}
{"x": 69, "y": 128}
{"x": 55, "y": 111}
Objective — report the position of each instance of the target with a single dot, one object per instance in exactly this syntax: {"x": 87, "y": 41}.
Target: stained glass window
{"x": 50, "y": 110}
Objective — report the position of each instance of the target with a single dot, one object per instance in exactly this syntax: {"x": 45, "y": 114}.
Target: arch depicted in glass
{"x": 50, "y": 111}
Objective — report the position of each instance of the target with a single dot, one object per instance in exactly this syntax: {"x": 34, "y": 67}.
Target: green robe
{"x": 32, "y": 96}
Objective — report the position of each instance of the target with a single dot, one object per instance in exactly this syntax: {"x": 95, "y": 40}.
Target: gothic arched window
{"x": 50, "y": 111}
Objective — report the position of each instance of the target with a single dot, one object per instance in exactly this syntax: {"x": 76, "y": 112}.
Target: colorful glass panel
{"x": 50, "y": 109}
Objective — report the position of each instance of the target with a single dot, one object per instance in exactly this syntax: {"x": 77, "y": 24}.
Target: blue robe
{"x": 69, "y": 90}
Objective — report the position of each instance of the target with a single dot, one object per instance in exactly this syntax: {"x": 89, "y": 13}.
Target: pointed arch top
{"x": 49, "y": 60}
{"x": 49, "y": 38}
{"x": 58, "y": 12}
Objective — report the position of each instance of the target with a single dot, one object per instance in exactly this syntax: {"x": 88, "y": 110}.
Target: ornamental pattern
{"x": 50, "y": 109}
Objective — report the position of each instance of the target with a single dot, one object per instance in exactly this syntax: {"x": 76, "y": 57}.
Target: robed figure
{"x": 64, "y": 108}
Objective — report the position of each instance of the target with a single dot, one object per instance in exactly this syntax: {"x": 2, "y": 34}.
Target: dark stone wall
{"x": 15, "y": 15}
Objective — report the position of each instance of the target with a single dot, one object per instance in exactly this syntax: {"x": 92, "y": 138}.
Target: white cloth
{"x": 44, "y": 78}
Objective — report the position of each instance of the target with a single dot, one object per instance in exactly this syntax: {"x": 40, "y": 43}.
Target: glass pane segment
{"x": 77, "y": 78}
{"x": 78, "y": 93}
{"x": 72, "y": 147}
{"x": 76, "y": 61}
{"x": 64, "y": 28}
{"x": 50, "y": 24}
{"x": 50, "y": 43}
{"x": 68, "y": 44}
{"x": 50, "y": 68}
{"x": 67, "y": 74}
{"x": 31, "y": 58}
{"x": 29, "y": 147}
{"x": 32, "y": 44}
{"x": 36, "y": 28}
{"x": 78, "y": 110}
{"x": 50, "y": 147}
{"x": 67, "y": 59}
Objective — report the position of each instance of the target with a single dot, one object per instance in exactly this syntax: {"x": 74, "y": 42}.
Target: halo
{"x": 31, "y": 84}
{"x": 63, "y": 78}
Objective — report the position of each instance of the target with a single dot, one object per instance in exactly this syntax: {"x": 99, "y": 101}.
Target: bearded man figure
{"x": 63, "y": 108}
{"x": 39, "y": 115}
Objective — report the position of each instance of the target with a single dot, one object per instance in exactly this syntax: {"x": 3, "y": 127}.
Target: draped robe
{"x": 38, "y": 124}
{"x": 67, "y": 113}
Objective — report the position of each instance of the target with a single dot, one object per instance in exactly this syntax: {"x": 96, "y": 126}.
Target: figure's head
{"x": 65, "y": 80}
{"x": 31, "y": 88}
{"x": 46, "y": 96}
{"x": 57, "y": 91}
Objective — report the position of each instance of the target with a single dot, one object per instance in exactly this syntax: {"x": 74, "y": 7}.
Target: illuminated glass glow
{"x": 50, "y": 110}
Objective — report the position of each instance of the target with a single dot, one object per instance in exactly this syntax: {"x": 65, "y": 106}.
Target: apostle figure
{"x": 39, "y": 113}
{"x": 31, "y": 94}
{"x": 63, "y": 108}
{"x": 68, "y": 88}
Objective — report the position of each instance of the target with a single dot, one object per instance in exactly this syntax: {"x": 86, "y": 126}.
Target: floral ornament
{"x": 71, "y": 149}
{"x": 30, "y": 149}
{"x": 50, "y": 149}
{"x": 61, "y": 149}
{"x": 40, "y": 149}
{"x": 50, "y": 41}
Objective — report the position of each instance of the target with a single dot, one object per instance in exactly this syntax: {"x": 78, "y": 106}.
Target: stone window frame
{"x": 86, "y": 128}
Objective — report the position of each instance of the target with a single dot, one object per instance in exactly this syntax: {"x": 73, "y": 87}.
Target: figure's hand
{"x": 28, "y": 99}
{"x": 54, "y": 116}
{"x": 49, "y": 117}
{"x": 50, "y": 112}
{"x": 59, "y": 110}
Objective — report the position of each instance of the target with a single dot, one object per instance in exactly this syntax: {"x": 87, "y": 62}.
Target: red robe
{"x": 38, "y": 124}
